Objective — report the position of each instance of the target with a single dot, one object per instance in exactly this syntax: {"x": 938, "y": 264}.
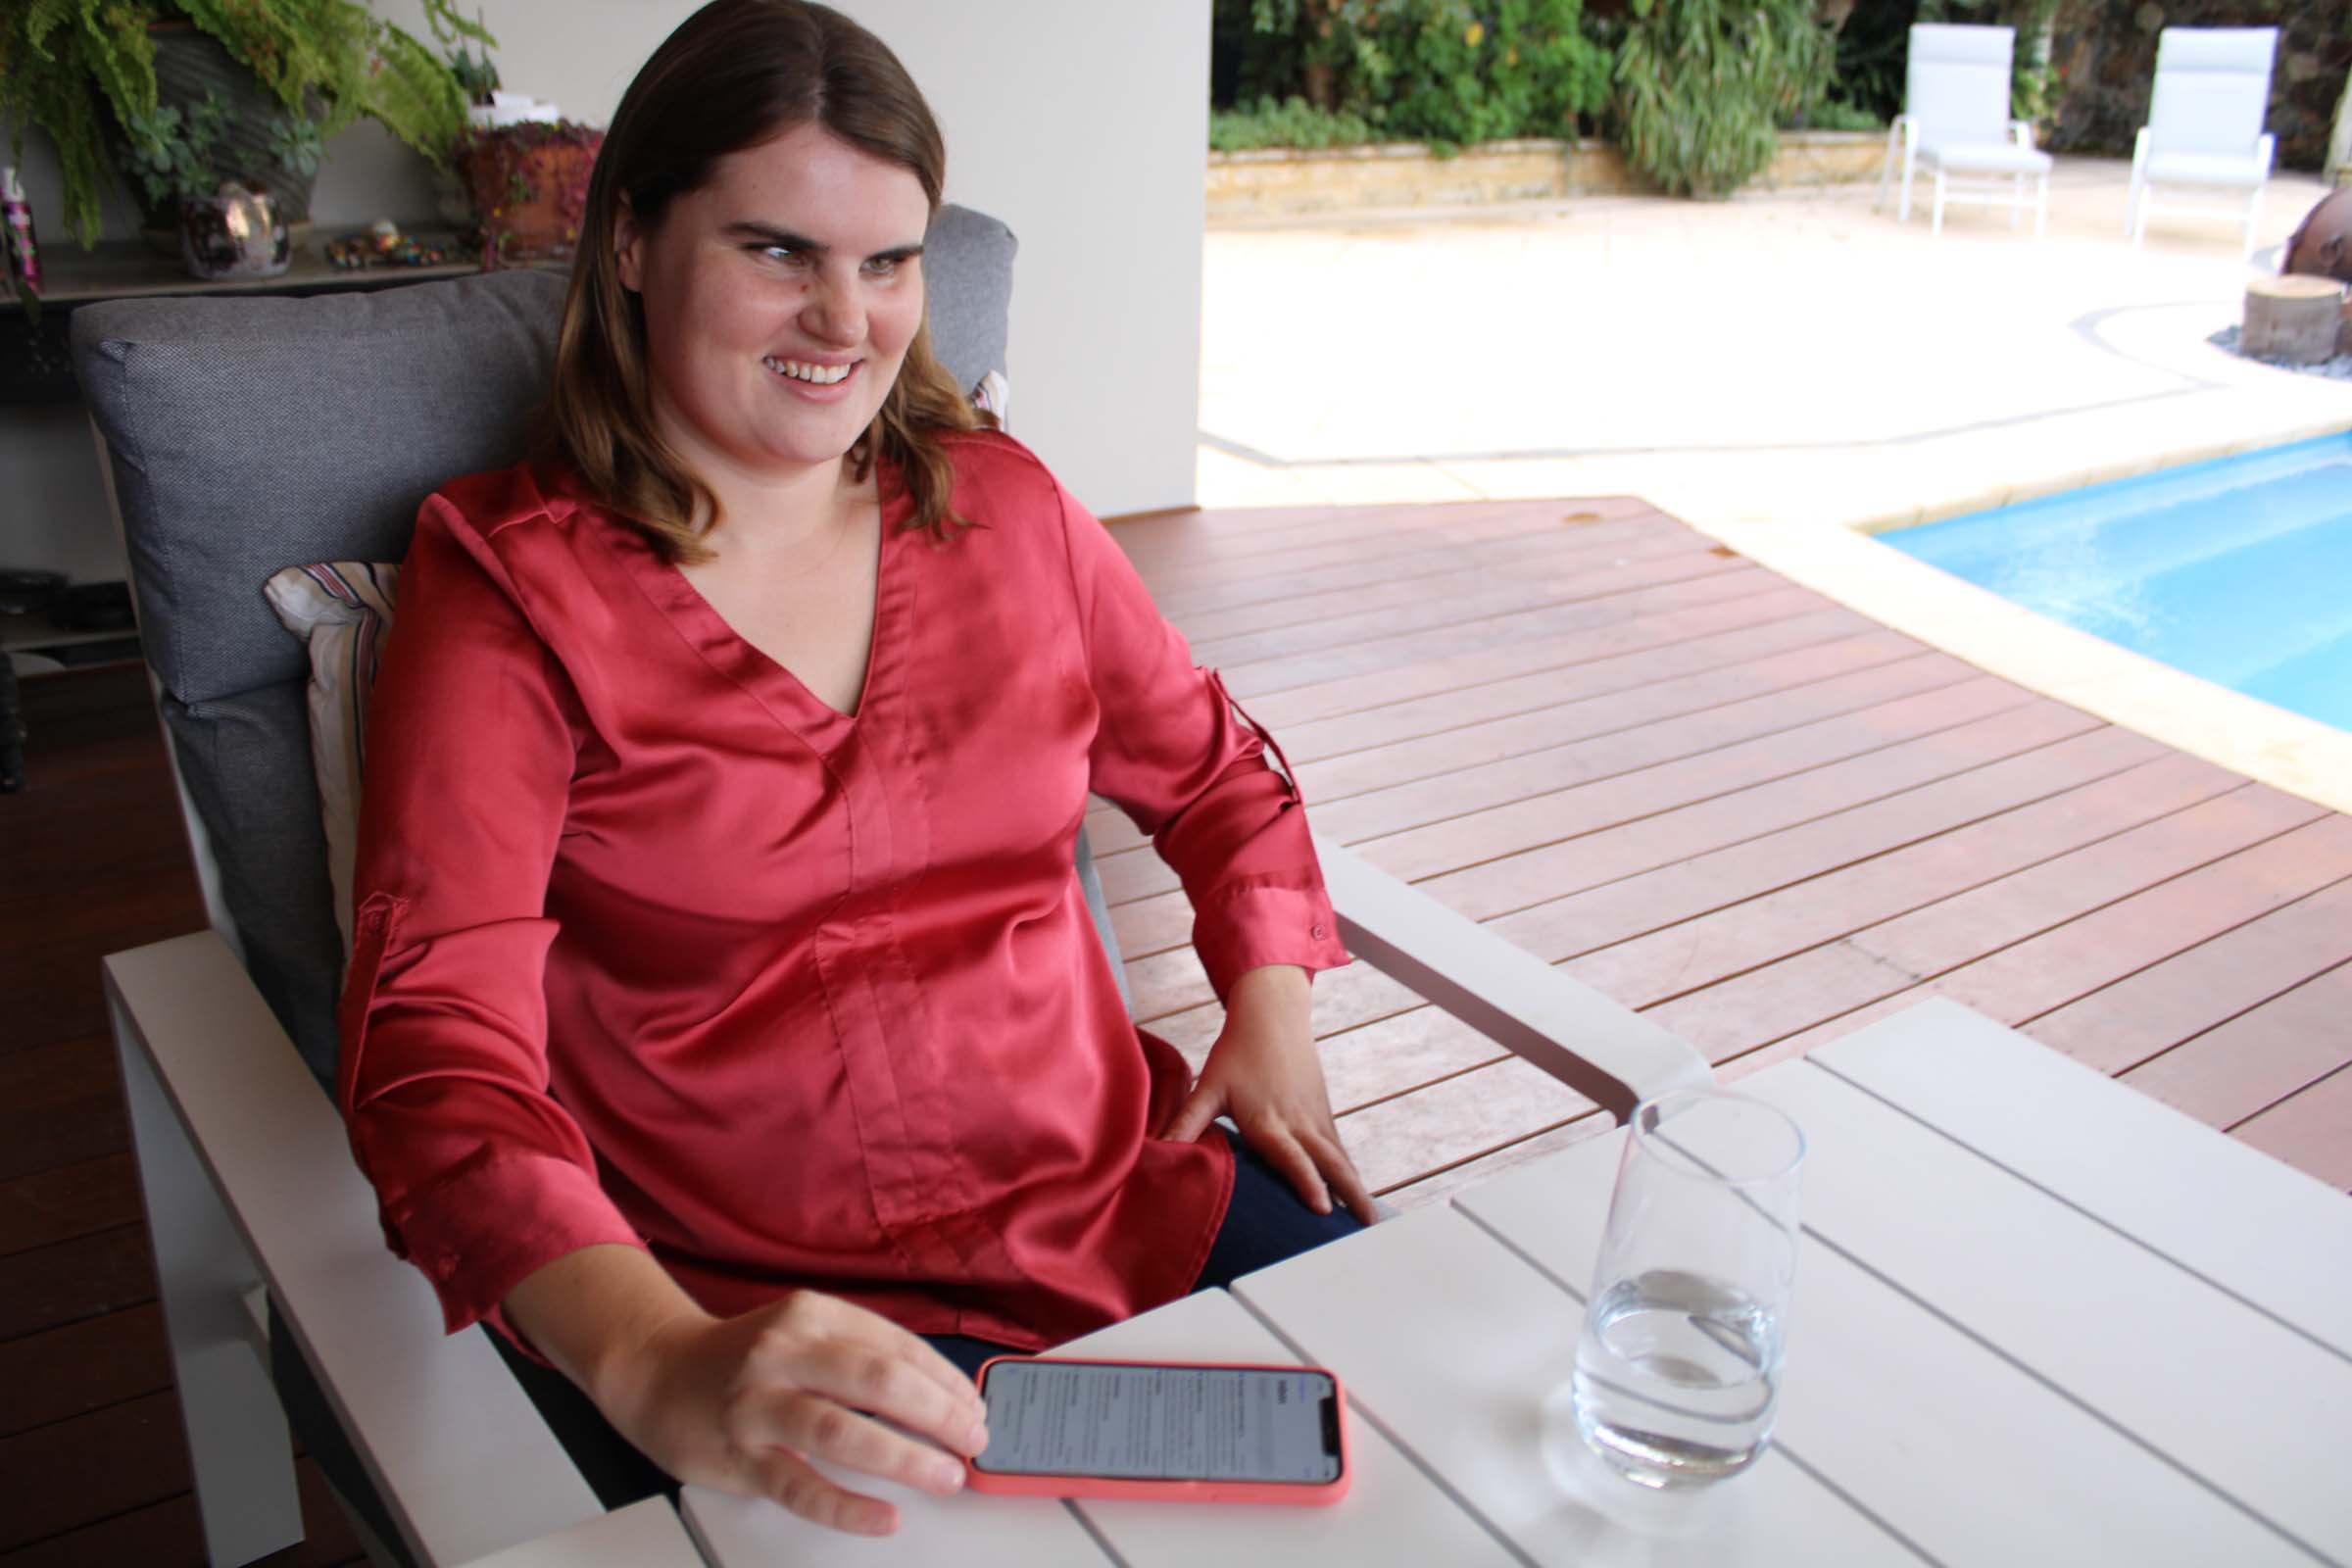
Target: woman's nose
{"x": 834, "y": 312}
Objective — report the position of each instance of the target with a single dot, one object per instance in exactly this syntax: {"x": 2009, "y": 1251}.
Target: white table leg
{"x": 238, "y": 1445}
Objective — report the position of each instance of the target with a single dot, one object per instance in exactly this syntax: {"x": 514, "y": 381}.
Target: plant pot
{"x": 530, "y": 188}
{"x": 189, "y": 64}
{"x": 233, "y": 233}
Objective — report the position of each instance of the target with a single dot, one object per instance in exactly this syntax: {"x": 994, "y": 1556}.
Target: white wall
{"x": 1083, "y": 123}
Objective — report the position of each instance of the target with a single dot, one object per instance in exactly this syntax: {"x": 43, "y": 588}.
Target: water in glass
{"x": 1676, "y": 1377}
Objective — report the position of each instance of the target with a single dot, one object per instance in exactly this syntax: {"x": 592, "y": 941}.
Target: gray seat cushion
{"x": 248, "y": 434}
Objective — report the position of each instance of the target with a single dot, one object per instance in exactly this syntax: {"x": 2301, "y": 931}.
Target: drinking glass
{"x": 1678, "y": 1369}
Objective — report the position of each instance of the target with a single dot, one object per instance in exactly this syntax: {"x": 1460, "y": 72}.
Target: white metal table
{"x": 2039, "y": 1318}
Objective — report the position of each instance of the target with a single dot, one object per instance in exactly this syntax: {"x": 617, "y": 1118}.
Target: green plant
{"x": 1293, "y": 123}
{"x": 1704, "y": 84}
{"x": 181, "y": 154}
{"x": 476, "y": 75}
{"x": 73, "y": 67}
{"x": 1443, "y": 72}
{"x": 1831, "y": 115}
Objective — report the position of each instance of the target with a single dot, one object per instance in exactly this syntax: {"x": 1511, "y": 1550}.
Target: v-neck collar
{"x": 777, "y": 689}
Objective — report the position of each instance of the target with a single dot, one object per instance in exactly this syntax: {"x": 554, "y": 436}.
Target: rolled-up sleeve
{"x": 1180, "y": 757}
{"x": 480, "y": 1175}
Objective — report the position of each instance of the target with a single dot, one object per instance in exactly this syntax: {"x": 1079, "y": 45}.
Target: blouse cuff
{"x": 485, "y": 1229}
{"x": 1262, "y": 920}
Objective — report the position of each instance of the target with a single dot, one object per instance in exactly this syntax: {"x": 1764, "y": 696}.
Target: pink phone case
{"x": 1293, "y": 1493}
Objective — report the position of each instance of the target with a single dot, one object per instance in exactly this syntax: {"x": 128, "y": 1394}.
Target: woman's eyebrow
{"x": 769, "y": 235}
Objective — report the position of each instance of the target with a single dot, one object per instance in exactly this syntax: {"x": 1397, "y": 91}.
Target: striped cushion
{"x": 342, "y": 609}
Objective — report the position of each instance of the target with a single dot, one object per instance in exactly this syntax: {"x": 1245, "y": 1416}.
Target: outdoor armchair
{"x": 1956, "y": 123}
{"x": 2204, "y": 129}
{"x": 241, "y": 437}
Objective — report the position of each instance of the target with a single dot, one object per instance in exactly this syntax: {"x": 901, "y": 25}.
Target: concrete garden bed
{"x": 1282, "y": 182}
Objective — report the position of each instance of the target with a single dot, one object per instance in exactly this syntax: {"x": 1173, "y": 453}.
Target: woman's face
{"x": 779, "y": 299}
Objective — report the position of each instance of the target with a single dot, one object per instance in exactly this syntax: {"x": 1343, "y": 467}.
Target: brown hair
{"x": 734, "y": 74}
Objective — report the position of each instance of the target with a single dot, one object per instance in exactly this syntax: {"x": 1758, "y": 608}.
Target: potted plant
{"x": 529, "y": 183}
{"x": 86, "y": 72}
{"x": 227, "y": 222}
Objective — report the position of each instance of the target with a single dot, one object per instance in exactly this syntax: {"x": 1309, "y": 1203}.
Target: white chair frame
{"x": 2261, "y": 159}
{"x": 1997, "y": 190}
{"x": 1957, "y": 116}
{"x": 251, "y": 1188}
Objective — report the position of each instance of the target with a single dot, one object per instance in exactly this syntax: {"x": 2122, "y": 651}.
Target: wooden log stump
{"x": 2295, "y": 320}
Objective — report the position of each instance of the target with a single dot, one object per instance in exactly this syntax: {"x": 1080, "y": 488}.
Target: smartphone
{"x": 1159, "y": 1431}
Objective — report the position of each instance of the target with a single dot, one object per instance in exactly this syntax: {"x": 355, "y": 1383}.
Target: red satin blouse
{"x": 655, "y": 947}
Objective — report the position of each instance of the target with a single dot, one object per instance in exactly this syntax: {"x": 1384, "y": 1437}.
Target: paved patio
{"x": 1785, "y": 372}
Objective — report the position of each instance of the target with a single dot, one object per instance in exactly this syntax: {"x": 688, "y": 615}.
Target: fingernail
{"x": 946, "y": 1476}
{"x": 977, "y": 1438}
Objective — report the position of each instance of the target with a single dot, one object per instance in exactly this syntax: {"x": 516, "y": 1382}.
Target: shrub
{"x": 1704, "y": 84}
{"x": 1445, "y": 72}
{"x": 1293, "y": 123}
{"x": 1830, "y": 115}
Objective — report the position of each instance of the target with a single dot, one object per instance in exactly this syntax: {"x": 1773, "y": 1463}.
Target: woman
{"x": 725, "y": 1014}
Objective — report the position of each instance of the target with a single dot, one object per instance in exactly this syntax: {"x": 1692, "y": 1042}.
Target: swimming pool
{"x": 2239, "y": 569}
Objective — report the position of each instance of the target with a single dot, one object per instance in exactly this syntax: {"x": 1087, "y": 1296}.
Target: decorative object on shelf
{"x": 234, "y": 232}
{"x": 529, "y": 183}
{"x": 81, "y": 69}
{"x": 228, "y": 220}
{"x": 384, "y": 245}
{"x": 20, "y": 256}
{"x": 23, "y": 256}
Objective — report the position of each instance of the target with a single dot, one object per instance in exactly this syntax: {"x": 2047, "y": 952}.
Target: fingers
{"x": 791, "y": 1481}
{"x": 867, "y": 1362}
{"x": 1205, "y": 1103}
{"x": 1280, "y": 1149}
{"x": 819, "y": 1426}
{"x": 1338, "y": 1171}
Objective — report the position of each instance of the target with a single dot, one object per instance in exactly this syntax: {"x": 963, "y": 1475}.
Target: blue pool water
{"x": 2239, "y": 569}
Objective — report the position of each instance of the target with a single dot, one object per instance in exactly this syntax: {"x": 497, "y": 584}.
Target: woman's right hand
{"x": 743, "y": 1403}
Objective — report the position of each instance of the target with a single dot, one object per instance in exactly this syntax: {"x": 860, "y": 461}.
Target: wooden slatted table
{"x": 2039, "y": 1318}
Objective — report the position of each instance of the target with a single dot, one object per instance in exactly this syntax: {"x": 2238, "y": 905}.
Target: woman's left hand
{"x": 1264, "y": 1073}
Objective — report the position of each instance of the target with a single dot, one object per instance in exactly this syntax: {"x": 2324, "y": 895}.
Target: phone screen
{"x": 1163, "y": 1423}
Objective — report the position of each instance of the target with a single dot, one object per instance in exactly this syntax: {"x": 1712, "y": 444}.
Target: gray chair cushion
{"x": 248, "y": 434}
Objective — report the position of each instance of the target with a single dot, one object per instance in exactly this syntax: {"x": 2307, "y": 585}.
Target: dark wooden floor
{"x": 93, "y": 1461}
{"x": 1751, "y": 814}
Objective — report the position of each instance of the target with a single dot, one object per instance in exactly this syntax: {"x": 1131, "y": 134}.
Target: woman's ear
{"x": 628, "y": 242}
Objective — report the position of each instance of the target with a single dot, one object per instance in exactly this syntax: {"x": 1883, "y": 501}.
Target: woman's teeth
{"x": 815, "y": 374}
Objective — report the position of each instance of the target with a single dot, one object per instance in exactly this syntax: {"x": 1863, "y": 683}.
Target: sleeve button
{"x": 1318, "y": 931}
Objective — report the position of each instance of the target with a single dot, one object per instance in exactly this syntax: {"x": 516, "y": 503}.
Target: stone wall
{"x": 2106, "y": 54}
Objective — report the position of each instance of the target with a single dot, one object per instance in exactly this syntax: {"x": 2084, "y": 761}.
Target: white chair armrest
{"x": 1605, "y": 1051}
{"x": 2265, "y": 151}
{"x": 458, "y": 1450}
{"x": 2021, "y": 131}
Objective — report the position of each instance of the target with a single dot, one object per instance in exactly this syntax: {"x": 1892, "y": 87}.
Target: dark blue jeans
{"x": 1265, "y": 1223}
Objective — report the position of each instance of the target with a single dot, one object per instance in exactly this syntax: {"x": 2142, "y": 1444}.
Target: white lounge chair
{"x": 2204, "y": 129}
{"x": 1955, "y": 120}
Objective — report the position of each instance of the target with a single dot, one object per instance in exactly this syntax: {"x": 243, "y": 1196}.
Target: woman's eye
{"x": 882, "y": 266}
{"x": 780, "y": 252}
